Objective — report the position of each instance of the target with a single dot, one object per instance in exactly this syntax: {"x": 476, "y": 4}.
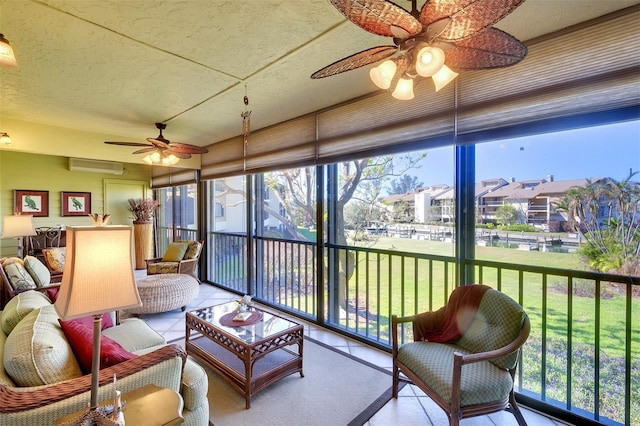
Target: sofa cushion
{"x": 21, "y": 306}
{"x": 19, "y": 277}
{"x": 55, "y": 258}
{"x": 37, "y": 352}
{"x": 38, "y": 271}
{"x": 175, "y": 252}
{"x": 10, "y": 260}
{"x": 80, "y": 337}
{"x": 134, "y": 334}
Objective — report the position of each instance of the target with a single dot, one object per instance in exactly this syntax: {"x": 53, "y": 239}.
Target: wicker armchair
{"x": 480, "y": 329}
{"x": 181, "y": 257}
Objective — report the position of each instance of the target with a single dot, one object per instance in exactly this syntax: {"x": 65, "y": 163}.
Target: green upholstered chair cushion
{"x": 37, "y": 352}
{"x": 18, "y": 276}
{"x": 497, "y": 323}
{"x": 21, "y": 306}
{"x": 38, "y": 271}
{"x": 135, "y": 336}
{"x": 482, "y": 382}
{"x": 175, "y": 252}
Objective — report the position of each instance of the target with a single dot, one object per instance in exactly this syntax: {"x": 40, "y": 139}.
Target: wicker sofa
{"x": 55, "y": 384}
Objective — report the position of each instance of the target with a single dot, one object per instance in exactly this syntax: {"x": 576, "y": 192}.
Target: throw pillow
{"x": 175, "y": 252}
{"x": 38, "y": 271}
{"x": 21, "y": 306}
{"x": 10, "y": 260}
{"x": 18, "y": 276}
{"x": 88, "y": 321}
{"x": 80, "y": 337}
{"x": 37, "y": 352}
{"x": 193, "y": 249}
{"x": 55, "y": 258}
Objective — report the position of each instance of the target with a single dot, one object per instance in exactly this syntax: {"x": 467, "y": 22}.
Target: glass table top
{"x": 266, "y": 327}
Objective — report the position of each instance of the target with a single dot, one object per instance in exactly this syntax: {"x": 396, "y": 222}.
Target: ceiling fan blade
{"x": 182, "y": 155}
{"x": 145, "y": 150}
{"x": 185, "y": 148}
{"x": 356, "y": 60}
{"x": 378, "y": 16}
{"x": 492, "y": 48}
{"x": 159, "y": 143}
{"x": 127, "y": 143}
{"x": 468, "y": 17}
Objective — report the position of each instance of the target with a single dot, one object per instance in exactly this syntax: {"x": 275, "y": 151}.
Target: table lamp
{"x": 18, "y": 226}
{"x": 97, "y": 278}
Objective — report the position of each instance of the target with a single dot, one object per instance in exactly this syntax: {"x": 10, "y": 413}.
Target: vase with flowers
{"x": 143, "y": 211}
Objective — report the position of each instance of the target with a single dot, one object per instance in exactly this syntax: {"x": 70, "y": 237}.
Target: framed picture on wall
{"x": 35, "y": 203}
{"x": 76, "y": 203}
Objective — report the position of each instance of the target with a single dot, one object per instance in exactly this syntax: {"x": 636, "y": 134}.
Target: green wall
{"x": 36, "y": 172}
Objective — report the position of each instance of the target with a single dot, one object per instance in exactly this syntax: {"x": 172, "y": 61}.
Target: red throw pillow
{"x": 88, "y": 321}
{"x": 80, "y": 337}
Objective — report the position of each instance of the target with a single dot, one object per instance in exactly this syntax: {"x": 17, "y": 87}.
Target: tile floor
{"x": 412, "y": 407}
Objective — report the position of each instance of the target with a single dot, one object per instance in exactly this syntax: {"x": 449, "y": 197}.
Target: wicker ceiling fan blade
{"x": 356, "y": 60}
{"x": 145, "y": 150}
{"x": 159, "y": 142}
{"x": 126, "y": 143}
{"x": 492, "y": 48}
{"x": 182, "y": 155}
{"x": 468, "y": 17}
{"x": 378, "y": 17}
{"x": 185, "y": 148}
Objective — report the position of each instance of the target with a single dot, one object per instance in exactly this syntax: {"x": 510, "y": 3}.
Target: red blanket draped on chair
{"x": 448, "y": 323}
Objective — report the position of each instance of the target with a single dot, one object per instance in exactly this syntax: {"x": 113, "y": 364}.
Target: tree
{"x": 506, "y": 214}
{"x": 358, "y": 180}
{"x": 607, "y": 213}
{"x": 404, "y": 184}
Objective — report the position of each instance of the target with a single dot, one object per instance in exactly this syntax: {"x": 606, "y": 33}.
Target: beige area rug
{"x": 337, "y": 389}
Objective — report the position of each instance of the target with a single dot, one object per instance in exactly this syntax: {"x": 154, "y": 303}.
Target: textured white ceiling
{"x": 115, "y": 67}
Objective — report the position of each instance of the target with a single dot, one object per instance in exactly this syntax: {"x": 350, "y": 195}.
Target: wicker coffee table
{"x": 249, "y": 356}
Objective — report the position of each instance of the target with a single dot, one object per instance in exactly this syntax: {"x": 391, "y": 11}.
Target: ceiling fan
{"x": 162, "y": 151}
{"x": 444, "y": 34}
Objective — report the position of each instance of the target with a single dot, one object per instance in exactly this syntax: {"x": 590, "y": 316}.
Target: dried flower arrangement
{"x": 142, "y": 209}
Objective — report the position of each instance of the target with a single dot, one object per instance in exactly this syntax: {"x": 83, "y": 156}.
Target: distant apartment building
{"x": 534, "y": 200}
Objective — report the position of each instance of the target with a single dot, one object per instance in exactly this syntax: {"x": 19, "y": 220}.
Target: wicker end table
{"x": 249, "y": 356}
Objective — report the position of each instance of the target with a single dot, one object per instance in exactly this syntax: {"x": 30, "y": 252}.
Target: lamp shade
{"x": 443, "y": 77}
{"x": 16, "y": 226}
{"x": 383, "y": 74}
{"x": 98, "y": 273}
{"x": 429, "y": 60}
{"x": 404, "y": 90}
{"x": 7, "y": 57}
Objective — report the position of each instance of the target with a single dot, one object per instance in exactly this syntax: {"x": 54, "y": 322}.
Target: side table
{"x": 149, "y": 405}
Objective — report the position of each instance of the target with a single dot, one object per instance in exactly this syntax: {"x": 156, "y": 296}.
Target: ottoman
{"x": 165, "y": 292}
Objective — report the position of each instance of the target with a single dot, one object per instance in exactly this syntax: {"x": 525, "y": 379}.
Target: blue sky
{"x": 584, "y": 153}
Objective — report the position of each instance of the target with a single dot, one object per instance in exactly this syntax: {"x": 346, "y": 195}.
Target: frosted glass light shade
{"x": 5, "y": 139}
{"x": 443, "y": 77}
{"x": 383, "y": 74}
{"x": 429, "y": 60}
{"x": 169, "y": 160}
{"x": 7, "y": 57}
{"x": 404, "y": 90}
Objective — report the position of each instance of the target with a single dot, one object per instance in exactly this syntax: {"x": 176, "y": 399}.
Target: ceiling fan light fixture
{"x": 383, "y": 74}
{"x": 169, "y": 160}
{"x": 404, "y": 90}
{"x": 5, "y": 139}
{"x": 7, "y": 57}
{"x": 429, "y": 60}
{"x": 443, "y": 77}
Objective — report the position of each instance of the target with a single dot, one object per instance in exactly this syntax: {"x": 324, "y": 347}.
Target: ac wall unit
{"x": 95, "y": 166}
